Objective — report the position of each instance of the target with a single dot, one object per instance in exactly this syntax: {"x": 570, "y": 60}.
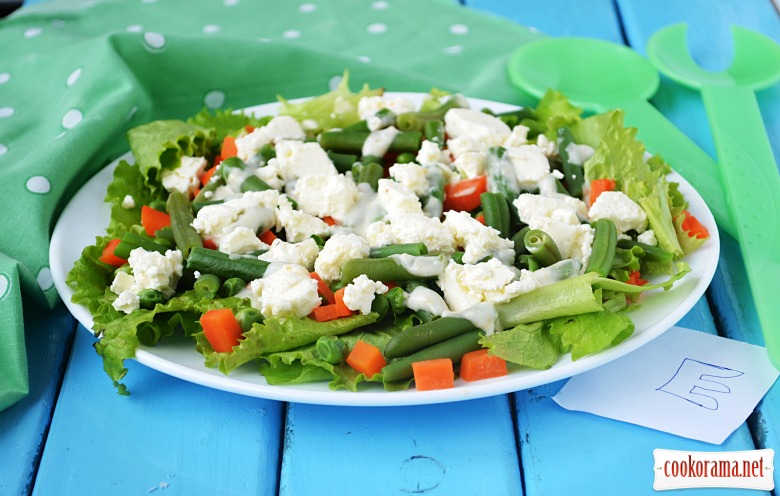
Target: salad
{"x": 355, "y": 237}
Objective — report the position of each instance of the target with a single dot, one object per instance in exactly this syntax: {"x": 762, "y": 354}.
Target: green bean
{"x": 397, "y": 299}
{"x": 652, "y": 253}
{"x": 386, "y": 118}
{"x": 501, "y": 174}
{"x": 164, "y": 241}
{"x": 424, "y": 316}
{"x": 371, "y": 159}
{"x": 343, "y": 161}
{"x": 410, "y": 286}
{"x": 331, "y": 349}
{"x": 405, "y": 158}
{"x": 528, "y": 262}
{"x": 224, "y": 266}
{"x": 359, "y": 126}
{"x": 457, "y": 257}
{"x": 603, "y": 248}
{"x": 352, "y": 142}
{"x": 380, "y": 305}
{"x": 197, "y": 206}
{"x": 267, "y": 152}
{"x": 247, "y": 317}
{"x": 522, "y": 113}
{"x": 542, "y": 247}
{"x": 519, "y": 241}
{"x": 254, "y": 183}
{"x": 231, "y": 287}
{"x": 453, "y": 348}
{"x": 164, "y": 236}
{"x": 208, "y": 285}
{"x": 415, "y": 121}
{"x": 433, "y": 131}
{"x": 377, "y": 269}
{"x": 368, "y": 173}
{"x": 416, "y": 249}
{"x": 574, "y": 175}
{"x": 158, "y": 205}
{"x": 415, "y": 338}
{"x": 318, "y": 239}
{"x": 434, "y": 204}
{"x": 130, "y": 241}
{"x": 496, "y": 212}
{"x": 148, "y": 298}
{"x": 185, "y": 236}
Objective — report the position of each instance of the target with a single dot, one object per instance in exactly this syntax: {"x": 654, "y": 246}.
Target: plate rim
{"x": 312, "y": 393}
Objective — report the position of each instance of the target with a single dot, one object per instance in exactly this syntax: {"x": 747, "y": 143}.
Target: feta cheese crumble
{"x": 288, "y": 291}
{"x": 339, "y": 249}
{"x": 359, "y": 294}
{"x": 186, "y": 177}
{"x": 620, "y": 209}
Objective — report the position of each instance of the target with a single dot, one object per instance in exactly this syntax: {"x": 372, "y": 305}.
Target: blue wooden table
{"x": 74, "y": 435}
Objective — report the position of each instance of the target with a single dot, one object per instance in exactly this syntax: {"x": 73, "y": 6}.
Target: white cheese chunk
{"x": 471, "y": 164}
{"x": 620, "y": 209}
{"x": 325, "y": 196}
{"x": 241, "y": 241}
{"x": 412, "y": 228}
{"x": 397, "y": 198}
{"x": 153, "y": 270}
{"x": 530, "y": 164}
{"x": 338, "y": 250}
{"x": 412, "y": 176}
{"x": 303, "y": 253}
{"x": 485, "y": 128}
{"x": 186, "y": 177}
{"x": 430, "y": 153}
{"x": 128, "y": 202}
{"x": 359, "y": 294}
{"x": 368, "y": 106}
{"x": 648, "y": 238}
{"x": 298, "y": 225}
{"x": 531, "y": 206}
{"x": 295, "y": 159}
{"x": 467, "y": 285}
{"x": 478, "y": 240}
{"x": 519, "y": 136}
{"x": 288, "y": 291}
{"x": 579, "y": 154}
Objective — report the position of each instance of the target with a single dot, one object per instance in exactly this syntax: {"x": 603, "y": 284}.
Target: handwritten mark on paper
{"x": 684, "y": 382}
{"x": 699, "y": 383}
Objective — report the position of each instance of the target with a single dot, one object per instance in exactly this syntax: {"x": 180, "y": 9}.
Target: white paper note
{"x": 685, "y": 382}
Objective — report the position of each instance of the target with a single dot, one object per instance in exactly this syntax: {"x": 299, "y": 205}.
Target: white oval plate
{"x": 86, "y": 216}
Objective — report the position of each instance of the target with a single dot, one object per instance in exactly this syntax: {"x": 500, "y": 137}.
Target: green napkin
{"x": 76, "y": 75}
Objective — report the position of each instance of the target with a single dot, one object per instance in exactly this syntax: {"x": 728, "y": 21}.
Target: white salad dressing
{"x": 366, "y": 210}
{"x": 378, "y": 142}
{"x": 483, "y": 315}
{"x": 425, "y": 266}
{"x": 426, "y": 299}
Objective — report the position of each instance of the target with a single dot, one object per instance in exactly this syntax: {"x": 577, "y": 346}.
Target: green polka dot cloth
{"x": 75, "y": 75}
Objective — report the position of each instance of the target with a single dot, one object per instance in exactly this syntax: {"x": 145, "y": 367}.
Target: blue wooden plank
{"x": 456, "y": 448}
{"x": 615, "y": 458}
{"x": 710, "y": 44}
{"x": 170, "y": 434}
{"x": 594, "y": 18}
{"x": 24, "y": 426}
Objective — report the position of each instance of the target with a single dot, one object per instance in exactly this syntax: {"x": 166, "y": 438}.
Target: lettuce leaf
{"x": 337, "y": 108}
{"x": 591, "y": 130}
{"x": 687, "y": 243}
{"x": 591, "y": 332}
{"x": 226, "y": 122}
{"x": 528, "y": 345}
{"x": 568, "y": 297}
{"x": 160, "y": 145}
{"x": 128, "y": 180}
{"x": 555, "y": 111}
{"x": 613, "y": 285}
{"x": 276, "y": 335}
{"x": 89, "y": 280}
{"x": 305, "y": 365}
{"x": 659, "y": 217}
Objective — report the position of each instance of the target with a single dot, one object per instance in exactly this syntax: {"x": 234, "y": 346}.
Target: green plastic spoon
{"x": 598, "y": 76}
{"x": 748, "y": 167}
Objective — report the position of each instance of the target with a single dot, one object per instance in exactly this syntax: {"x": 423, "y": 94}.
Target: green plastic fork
{"x": 747, "y": 165}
